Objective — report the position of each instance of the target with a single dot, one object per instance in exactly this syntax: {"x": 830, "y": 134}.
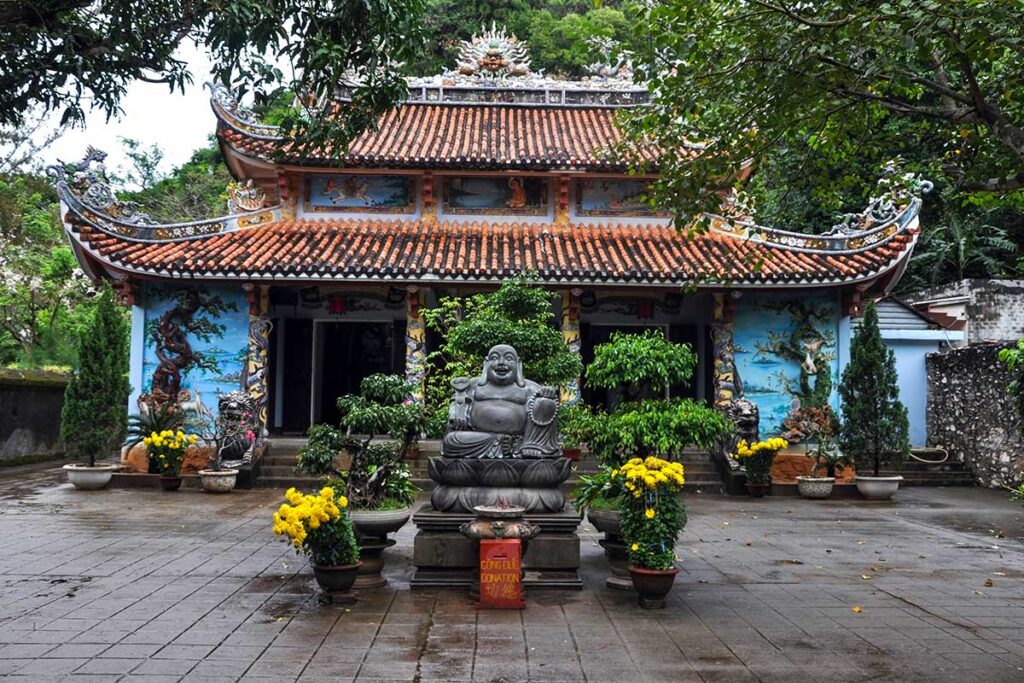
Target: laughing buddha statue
{"x": 502, "y": 414}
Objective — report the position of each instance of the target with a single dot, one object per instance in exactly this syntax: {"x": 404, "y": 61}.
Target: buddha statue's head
{"x": 502, "y": 367}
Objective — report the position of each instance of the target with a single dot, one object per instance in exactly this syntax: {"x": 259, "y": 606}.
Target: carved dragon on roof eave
{"x": 153, "y": 232}
{"x": 901, "y": 221}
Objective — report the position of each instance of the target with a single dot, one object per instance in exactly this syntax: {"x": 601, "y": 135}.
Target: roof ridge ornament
{"x": 494, "y": 54}
{"x": 244, "y": 197}
{"x": 240, "y": 117}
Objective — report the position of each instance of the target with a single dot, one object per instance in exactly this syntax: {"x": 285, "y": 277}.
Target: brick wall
{"x": 970, "y": 414}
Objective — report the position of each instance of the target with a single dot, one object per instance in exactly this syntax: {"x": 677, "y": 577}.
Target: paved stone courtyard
{"x": 133, "y": 585}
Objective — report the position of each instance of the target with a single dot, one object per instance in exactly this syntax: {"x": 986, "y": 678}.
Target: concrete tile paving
{"x": 135, "y": 585}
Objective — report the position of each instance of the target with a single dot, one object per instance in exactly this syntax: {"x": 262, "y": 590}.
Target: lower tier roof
{"x": 431, "y": 251}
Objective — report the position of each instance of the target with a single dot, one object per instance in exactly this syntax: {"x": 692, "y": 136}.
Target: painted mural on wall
{"x": 519, "y": 195}
{"x": 612, "y": 197}
{"x": 785, "y": 353}
{"x": 196, "y": 345}
{"x": 360, "y": 193}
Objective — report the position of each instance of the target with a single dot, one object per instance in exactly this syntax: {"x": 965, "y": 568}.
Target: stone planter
{"x": 815, "y": 487}
{"x": 379, "y": 522}
{"x": 87, "y": 478}
{"x": 336, "y": 579}
{"x": 609, "y": 522}
{"x": 878, "y": 488}
{"x": 170, "y": 483}
{"x": 653, "y": 585}
{"x": 218, "y": 481}
{"x": 372, "y": 528}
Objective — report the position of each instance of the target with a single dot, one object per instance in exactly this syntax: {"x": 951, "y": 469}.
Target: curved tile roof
{"x": 428, "y": 251}
{"x": 462, "y": 136}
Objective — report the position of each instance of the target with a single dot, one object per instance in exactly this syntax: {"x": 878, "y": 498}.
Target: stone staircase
{"x": 917, "y": 473}
{"x": 277, "y": 468}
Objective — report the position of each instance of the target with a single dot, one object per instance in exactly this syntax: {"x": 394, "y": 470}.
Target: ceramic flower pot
{"x": 653, "y": 585}
{"x": 336, "y": 578}
{"x": 606, "y": 521}
{"x": 218, "y": 481}
{"x": 170, "y": 483}
{"x": 815, "y": 487}
{"x": 758, "y": 490}
{"x": 878, "y": 488}
{"x": 87, "y": 478}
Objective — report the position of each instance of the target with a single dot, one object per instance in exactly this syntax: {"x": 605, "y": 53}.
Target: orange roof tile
{"x": 430, "y": 251}
{"x": 466, "y": 135}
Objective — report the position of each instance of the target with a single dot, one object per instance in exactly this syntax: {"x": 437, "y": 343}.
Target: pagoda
{"x": 321, "y": 270}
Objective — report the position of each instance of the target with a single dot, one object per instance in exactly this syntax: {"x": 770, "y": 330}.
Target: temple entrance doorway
{"x": 344, "y": 353}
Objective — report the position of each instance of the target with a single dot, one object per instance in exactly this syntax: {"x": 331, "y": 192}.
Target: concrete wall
{"x": 970, "y": 414}
{"x": 913, "y": 382}
{"x": 993, "y": 309}
{"x": 30, "y": 407}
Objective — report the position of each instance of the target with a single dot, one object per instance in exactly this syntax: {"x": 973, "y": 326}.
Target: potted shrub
{"x": 159, "y": 418}
{"x": 826, "y": 457}
{"x": 318, "y": 526}
{"x": 598, "y": 495}
{"x": 652, "y": 517}
{"x": 378, "y": 484}
{"x": 874, "y": 428}
{"x": 95, "y": 402}
{"x": 757, "y": 459}
{"x": 641, "y": 368}
{"x": 166, "y": 451}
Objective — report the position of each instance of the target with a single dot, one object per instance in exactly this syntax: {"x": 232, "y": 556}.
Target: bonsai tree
{"x": 94, "y": 417}
{"x": 378, "y": 476}
{"x": 874, "y": 426}
{"x": 644, "y": 423}
{"x": 517, "y": 314}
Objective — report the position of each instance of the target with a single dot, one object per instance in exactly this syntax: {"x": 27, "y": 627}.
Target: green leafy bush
{"x": 378, "y": 471}
{"x": 1013, "y": 358}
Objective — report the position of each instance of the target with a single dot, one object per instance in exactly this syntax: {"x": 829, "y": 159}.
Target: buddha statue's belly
{"x": 503, "y": 417}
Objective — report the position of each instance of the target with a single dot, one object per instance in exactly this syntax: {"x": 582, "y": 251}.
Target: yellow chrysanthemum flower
{"x": 649, "y": 513}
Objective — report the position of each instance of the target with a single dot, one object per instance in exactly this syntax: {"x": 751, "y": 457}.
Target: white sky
{"x": 177, "y": 123}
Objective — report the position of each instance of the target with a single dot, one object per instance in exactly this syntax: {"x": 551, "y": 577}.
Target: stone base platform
{"x": 444, "y": 558}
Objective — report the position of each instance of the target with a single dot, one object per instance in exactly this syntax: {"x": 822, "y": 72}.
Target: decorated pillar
{"x": 415, "y": 341}
{"x": 723, "y": 360}
{"x": 571, "y": 336}
{"x": 259, "y": 349}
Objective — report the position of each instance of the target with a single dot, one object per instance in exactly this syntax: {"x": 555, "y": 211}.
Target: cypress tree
{"x": 94, "y": 417}
{"x": 874, "y": 426}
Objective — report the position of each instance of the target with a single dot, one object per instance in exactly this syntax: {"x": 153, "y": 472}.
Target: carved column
{"x": 415, "y": 340}
{"x": 723, "y": 359}
{"x": 571, "y": 336}
{"x": 256, "y": 381}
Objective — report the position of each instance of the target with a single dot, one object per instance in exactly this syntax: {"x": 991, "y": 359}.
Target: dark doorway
{"x": 297, "y": 374}
{"x": 347, "y": 353}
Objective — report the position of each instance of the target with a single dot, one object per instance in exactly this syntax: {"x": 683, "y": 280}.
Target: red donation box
{"x": 501, "y": 572}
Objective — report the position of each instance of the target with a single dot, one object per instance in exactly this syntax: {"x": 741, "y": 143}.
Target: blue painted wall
{"x": 228, "y": 348}
{"x": 913, "y": 382}
{"x": 770, "y": 379}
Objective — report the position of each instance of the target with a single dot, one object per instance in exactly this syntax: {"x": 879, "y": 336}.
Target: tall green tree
{"x": 95, "y": 413}
{"x": 62, "y": 55}
{"x": 874, "y": 422}
{"x": 734, "y": 81}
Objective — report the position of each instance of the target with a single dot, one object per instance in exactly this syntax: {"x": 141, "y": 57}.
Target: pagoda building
{"x": 321, "y": 271}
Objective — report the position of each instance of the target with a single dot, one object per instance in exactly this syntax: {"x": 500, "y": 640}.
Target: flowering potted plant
{"x": 319, "y": 527}
{"x": 757, "y": 459}
{"x": 652, "y": 517}
{"x": 166, "y": 451}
